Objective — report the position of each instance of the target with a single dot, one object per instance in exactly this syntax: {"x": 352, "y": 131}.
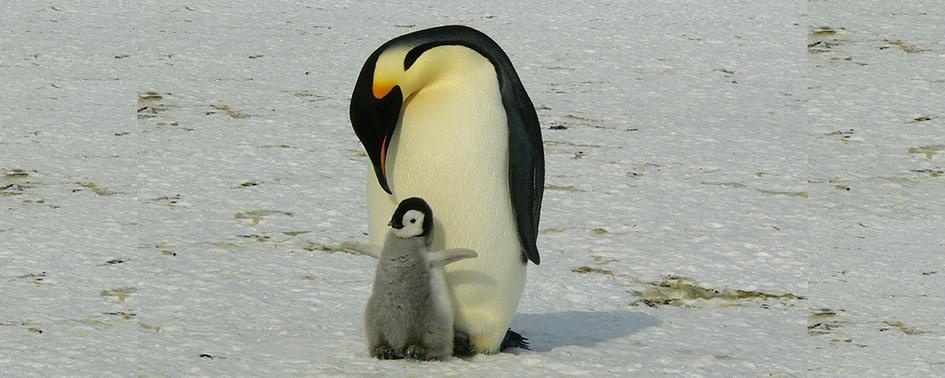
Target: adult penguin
{"x": 443, "y": 115}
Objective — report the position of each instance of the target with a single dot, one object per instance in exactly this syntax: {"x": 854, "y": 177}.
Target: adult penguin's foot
{"x": 462, "y": 347}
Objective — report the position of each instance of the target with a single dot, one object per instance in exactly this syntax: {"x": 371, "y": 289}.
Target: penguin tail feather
{"x": 513, "y": 340}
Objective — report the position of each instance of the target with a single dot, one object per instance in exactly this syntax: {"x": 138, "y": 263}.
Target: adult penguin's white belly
{"x": 450, "y": 148}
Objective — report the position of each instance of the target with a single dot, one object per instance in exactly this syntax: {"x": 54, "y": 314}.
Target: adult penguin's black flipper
{"x": 526, "y": 166}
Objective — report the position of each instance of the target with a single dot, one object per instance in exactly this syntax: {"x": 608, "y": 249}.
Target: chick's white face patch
{"x": 413, "y": 224}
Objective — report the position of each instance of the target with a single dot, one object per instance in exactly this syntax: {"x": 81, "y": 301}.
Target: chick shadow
{"x": 546, "y": 332}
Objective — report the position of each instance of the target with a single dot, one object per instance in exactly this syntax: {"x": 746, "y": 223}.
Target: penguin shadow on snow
{"x": 547, "y": 332}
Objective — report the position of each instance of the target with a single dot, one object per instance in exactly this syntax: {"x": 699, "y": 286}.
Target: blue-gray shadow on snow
{"x": 546, "y": 332}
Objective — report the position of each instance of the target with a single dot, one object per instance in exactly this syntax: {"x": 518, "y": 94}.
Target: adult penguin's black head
{"x": 394, "y": 72}
{"x": 412, "y": 218}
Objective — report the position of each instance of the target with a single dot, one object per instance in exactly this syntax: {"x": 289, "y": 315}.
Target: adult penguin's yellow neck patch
{"x": 388, "y": 72}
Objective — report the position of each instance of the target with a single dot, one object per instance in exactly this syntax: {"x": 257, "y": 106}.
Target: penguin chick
{"x": 409, "y": 314}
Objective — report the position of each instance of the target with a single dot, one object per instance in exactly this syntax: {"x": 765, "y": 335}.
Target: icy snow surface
{"x": 735, "y": 188}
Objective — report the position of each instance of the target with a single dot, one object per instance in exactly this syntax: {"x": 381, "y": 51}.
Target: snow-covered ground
{"x": 747, "y": 188}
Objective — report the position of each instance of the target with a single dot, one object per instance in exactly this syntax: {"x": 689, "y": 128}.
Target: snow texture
{"x": 735, "y": 188}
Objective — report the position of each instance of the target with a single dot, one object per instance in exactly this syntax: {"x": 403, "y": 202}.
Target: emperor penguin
{"x": 409, "y": 313}
{"x": 443, "y": 115}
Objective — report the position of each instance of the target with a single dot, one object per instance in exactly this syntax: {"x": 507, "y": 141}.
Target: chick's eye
{"x": 413, "y": 221}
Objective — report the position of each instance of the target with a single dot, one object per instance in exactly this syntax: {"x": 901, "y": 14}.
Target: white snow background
{"x": 734, "y": 188}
